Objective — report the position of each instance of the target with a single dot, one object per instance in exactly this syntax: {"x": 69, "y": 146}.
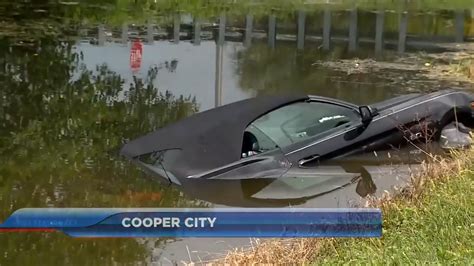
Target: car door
{"x": 322, "y": 128}
{"x": 283, "y": 135}
{"x": 291, "y": 135}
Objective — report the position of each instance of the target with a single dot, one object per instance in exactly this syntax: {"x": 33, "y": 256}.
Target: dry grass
{"x": 457, "y": 68}
{"x": 438, "y": 169}
{"x": 306, "y": 250}
{"x": 283, "y": 251}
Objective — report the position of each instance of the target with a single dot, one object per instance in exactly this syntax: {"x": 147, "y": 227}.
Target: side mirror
{"x": 366, "y": 114}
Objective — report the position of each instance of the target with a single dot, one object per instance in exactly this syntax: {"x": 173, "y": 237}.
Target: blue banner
{"x": 219, "y": 222}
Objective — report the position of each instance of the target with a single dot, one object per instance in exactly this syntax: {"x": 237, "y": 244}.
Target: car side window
{"x": 299, "y": 121}
{"x": 255, "y": 141}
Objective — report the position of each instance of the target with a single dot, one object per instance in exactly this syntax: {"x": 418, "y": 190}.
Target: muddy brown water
{"x": 75, "y": 88}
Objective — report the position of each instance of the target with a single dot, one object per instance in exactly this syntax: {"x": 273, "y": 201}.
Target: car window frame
{"x": 312, "y": 99}
{"x": 299, "y": 145}
{"x": 305, "y": 144}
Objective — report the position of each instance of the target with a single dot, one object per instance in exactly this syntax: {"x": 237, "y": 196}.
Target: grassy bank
{"x": 436, "y": 227}
{"x": 431, "y": 221}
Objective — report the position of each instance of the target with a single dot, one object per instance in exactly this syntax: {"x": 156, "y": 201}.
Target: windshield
{"x": 299, "y": 121}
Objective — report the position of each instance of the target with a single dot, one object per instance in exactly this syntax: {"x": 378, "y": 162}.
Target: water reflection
{"x": 80, "y": 80}
{"x": 59, "y": 122}
{"x": 312, "y": 185}
{"x": 381, "y": 28}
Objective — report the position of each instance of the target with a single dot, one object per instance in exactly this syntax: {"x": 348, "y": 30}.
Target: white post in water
{"x": 459, "y": 25}
{"x": 176, "y": 28}
{"x": 379, "y": 23}
{"x": 218, "y": 86}
{"x": 197, "y": 31}
{"x": 221, "y": 36}
{"x": 219, "y": 60}
{"x": 402, "y": 31}
{"x": 301, "y": 29}
{"x": 271, "y": 31}
{"x": 149, "y": 32}
{"x": 101, "y": 35}
{"x": 327, "y": 29}
{"x": 353, "y": 39}
{"x": 248, "y": 30}
{"x": 124, "y": 37}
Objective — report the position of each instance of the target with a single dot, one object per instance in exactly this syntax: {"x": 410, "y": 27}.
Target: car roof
{"x": 209, "y": 139}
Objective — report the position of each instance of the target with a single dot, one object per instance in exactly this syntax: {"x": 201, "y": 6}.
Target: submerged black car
{"x": 278, "y": 136}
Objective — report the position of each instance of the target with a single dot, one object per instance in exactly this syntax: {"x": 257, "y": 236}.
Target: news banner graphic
{"x": 218, "y": 222}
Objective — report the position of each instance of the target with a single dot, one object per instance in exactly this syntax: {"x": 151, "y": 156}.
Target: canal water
{"x": 79, "y": 80}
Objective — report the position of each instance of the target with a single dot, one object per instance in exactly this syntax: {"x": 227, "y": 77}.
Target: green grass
{"x": 436, "y": 228}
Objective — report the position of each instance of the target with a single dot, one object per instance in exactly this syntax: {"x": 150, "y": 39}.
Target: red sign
{"x": 136, "y": 55}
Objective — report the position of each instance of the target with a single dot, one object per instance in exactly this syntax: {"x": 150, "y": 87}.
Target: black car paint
{"x": 389, "y": 125}
{"x": 397, "y": 121}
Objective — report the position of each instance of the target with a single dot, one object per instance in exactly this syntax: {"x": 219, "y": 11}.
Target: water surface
{"x": 79, "y": 80}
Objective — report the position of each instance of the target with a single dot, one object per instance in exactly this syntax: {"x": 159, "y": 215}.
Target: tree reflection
{"x": 59, "y": 122}
{"x": 287, "y": 70}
